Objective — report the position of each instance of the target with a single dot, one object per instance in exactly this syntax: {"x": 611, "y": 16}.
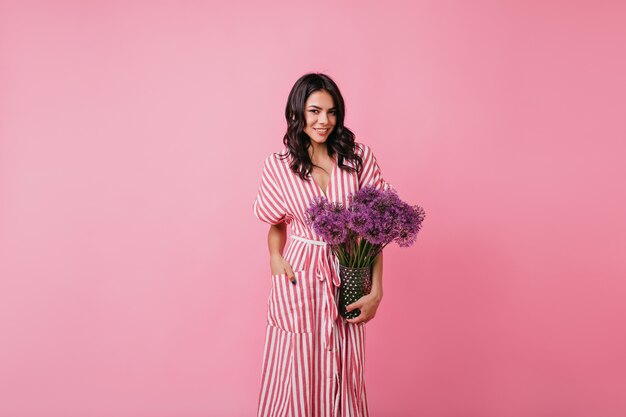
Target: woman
{"x": 313, "y": 358}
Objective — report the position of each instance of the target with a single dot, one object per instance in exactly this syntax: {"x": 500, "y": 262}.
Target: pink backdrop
{"x": 134, "y": 276}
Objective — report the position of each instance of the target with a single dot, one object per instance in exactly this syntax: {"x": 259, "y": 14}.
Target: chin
{"x": 317, "y": 140}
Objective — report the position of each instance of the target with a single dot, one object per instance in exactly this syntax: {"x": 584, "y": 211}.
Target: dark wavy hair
{"x": 339, "y": 142}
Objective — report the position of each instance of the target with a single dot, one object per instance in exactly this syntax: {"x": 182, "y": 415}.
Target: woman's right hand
{"x": 279, "y": 265}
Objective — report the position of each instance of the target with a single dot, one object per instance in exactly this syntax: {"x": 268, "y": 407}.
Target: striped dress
{"x": 313, "y": 359}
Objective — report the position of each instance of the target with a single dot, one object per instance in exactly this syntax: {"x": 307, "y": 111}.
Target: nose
{"x": 323, "y": 118}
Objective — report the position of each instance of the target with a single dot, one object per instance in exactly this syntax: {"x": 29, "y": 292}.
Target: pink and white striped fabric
{"x": 313, "y": 359}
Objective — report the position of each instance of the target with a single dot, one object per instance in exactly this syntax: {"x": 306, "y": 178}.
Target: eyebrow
{"x": 317, "y": 107}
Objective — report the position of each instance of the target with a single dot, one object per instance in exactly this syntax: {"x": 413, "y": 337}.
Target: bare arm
{"x": 276, "y": 240}
{"x": 377, "y": 277}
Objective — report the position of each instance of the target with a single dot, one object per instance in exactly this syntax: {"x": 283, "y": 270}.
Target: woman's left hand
{"x": 368, "y": 304}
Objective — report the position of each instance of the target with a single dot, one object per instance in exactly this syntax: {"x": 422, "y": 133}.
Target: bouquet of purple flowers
{"x": 357, "y": 234}
{"x": 373, "y": 219}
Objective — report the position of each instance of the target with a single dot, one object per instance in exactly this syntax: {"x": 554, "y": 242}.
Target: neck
{"x": 318, "y": 149}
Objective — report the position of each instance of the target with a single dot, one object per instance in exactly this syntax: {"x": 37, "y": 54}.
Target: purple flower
{"x": 359, "y": 219}
{"x": 317, "y": 208}
{"x": 380, "y": 207}
{"x": 408, "y": 224}
{"x": 375, "y": 234}
{"x": 329, "y": 220}
{"x": 365, "y": 195}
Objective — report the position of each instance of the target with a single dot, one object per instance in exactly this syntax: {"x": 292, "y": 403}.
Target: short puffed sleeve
{"x": 370, "y": 173}
{"x": 269, "y": 205}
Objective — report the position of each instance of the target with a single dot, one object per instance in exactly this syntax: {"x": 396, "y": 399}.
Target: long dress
{"x": 313, "y": 359}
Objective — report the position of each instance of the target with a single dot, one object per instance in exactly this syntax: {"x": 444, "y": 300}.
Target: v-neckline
{"x": 330, "y": 177}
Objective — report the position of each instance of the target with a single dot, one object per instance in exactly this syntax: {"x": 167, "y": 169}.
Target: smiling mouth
{"x": 321, "y": 131}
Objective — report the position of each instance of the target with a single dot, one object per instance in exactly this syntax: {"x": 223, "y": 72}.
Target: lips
{"x": 322, "y": 131}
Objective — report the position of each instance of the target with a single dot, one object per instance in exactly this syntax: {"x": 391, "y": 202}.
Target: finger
{"x": 354, "y": 305}
{"x": 289, "y": 272}
{"x": 357, "y": 320}
{"x": 358, "y": 303}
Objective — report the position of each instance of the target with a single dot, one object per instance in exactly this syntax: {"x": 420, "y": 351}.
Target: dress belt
{"x": 327, "y": 272}
{"x": 311, "y": 241}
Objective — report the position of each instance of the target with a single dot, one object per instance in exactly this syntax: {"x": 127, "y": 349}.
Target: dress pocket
{"x": 290, "y": 307}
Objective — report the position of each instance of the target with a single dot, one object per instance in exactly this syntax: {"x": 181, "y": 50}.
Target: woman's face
{"x": 320, "y": 115}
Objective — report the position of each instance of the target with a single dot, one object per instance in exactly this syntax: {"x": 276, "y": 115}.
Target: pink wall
{"x": 134, "y": 276}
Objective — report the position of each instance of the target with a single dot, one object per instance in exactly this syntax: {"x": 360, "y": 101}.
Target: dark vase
{"x": 355, "y": 283}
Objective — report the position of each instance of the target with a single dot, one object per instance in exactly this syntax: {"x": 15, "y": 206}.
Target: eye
{"x": 316, "y": 111}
